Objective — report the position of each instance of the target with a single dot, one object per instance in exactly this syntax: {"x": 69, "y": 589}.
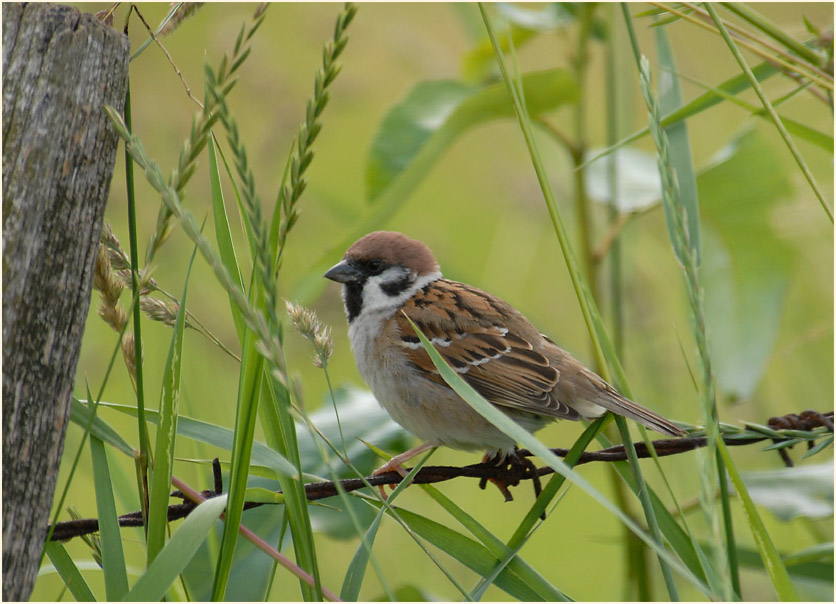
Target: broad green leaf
{"x": 69, "y": 572}
{"x": 362, "y": 419}
{"x": 113, "y": 557}
{"x": 681, "y": 159}
{"x": 416, "y": 132}
{"x": 80, "y": 415}
{"x": 478, "y": 64}
{"x": 167, "y": 431}
{"x": 771, "y": 559}
{"x": 153, "y": 585}
{"x": 747, "y": 267}
{"x": 792, "y": 492}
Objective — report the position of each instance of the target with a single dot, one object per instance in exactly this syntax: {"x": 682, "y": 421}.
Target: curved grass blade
{"x": 80, "y": 414}
{"x": 506, "y": 554}
{"x": 470, "y": 553}
{"x": 218, "y": 436}
{"x": 69, "y": 572}
{"x": 772, "y": 561}
{"x": 113, "y": 557}
{"x": 173, "y": 558}
{"x": 167, "y": 431}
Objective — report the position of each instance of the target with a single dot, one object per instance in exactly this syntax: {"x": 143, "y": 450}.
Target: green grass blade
{"x": 357, "y": 568}
{"x": 167, "y": 431}
{"x": 69, "y": 572}
{"x": 769, "y": 554}
{"x": 80, "y": 414}
{"x": 245, "y": 416}
{"x": 217, "y": 436}
{"x": 724, "y": 91}
{"x": 500, "y": 550}
{"x": 356, "y": 571}
{"x": 226, "y": 249}
{"x": 776, "y": 33}
{"x": 467, "y": 551}
{"x": 113, "y": 557}
{"x": 173, "y": 558}
{"x": 805, "y": 170}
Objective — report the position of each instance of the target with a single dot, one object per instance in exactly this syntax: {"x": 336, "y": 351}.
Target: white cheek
{"x": 375, "y": 300}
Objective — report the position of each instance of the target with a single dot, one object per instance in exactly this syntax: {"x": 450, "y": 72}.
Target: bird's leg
{"x": 396, "y": 464}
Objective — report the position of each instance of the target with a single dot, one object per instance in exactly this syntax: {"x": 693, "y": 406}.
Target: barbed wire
{"x": 785, "y": 432}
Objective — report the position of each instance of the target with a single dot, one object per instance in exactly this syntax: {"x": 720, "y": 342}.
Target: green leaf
{"x": 416, "y": 132}
{"x": 747, "y": 267}
{"x": 356, "y": 571}
{"x": 80, "y": 415}
{"x": 771, "y": 559}
{"x": 500, "y": 550}
{"x": 69, "y": 572}
{"x": 217, "y": 436}
{"x": 249, "y": 392}
{"x": 468, "y": 552}
{"x": 792, "y": 492}
{"x": 153, "y": 585}
{"x": 113, "y": 557}
{"x": 680, "y": 159}
{"x": 167, "y": 431}
{"x": 359, "y": 562}
{"x": 363, "y": 419}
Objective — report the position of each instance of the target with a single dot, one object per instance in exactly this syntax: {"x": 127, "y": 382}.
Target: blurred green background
{"x": 481, "y": 211}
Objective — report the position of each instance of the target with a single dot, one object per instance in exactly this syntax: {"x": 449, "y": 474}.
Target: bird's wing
{"x": 470, "y": 329}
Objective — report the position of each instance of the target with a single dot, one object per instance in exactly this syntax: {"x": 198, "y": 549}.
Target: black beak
{"x": 343, "y": 273}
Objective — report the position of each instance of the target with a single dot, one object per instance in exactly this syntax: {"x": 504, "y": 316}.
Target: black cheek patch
{"x": 396, "y": 288}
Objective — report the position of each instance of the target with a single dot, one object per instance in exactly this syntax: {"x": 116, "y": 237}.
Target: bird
{"x": 388, "y": 278}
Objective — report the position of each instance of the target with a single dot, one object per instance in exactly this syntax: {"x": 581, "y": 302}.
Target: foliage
{"x": 714, "y": 277}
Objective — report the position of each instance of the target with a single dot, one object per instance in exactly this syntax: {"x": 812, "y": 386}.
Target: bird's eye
{"x": 375, "y": 266}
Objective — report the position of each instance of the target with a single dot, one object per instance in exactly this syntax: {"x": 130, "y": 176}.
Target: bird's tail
{"x": 609, "y": 398}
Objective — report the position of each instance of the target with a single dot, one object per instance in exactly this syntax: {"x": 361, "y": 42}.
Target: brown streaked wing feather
{"x": 468, "y": 328}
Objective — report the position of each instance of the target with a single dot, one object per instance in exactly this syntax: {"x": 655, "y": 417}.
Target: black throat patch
{"x": 353, "y": 298}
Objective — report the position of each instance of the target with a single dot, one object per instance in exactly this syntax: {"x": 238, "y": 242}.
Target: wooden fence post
{"x": 59, "y": 69}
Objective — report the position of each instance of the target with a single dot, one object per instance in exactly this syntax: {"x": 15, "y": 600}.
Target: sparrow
{"x": 387, "y": 277}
